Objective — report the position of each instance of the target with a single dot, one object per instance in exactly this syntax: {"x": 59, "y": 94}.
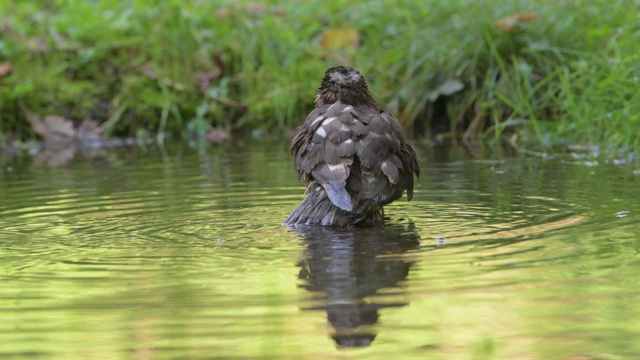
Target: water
{"x": 149, "y": 254}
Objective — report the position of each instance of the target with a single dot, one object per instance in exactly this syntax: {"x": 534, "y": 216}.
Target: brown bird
{"x": 351, "y": 154}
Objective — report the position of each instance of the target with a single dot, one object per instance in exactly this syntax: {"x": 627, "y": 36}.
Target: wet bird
{"x": 351, "y": 154}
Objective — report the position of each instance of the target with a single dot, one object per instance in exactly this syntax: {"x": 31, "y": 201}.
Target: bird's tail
{"x": 317, "y": 209}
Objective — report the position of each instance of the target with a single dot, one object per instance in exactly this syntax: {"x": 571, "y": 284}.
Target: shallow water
{"x": 179, "y": 253}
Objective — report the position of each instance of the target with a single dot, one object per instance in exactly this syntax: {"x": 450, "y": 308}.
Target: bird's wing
{"x": 388, "y": 160}
{"x": 324, "y": 149}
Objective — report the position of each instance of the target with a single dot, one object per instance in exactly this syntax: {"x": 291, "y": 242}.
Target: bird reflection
{"x": 349, "y": 266}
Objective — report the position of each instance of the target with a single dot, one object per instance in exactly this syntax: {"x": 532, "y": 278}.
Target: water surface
{"x": 179, "y": 253}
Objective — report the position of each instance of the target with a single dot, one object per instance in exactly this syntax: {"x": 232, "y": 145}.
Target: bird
{"x": 352, "y": 155}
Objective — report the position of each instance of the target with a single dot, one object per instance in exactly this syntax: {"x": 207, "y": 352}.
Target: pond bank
{"x": 551, "y": 72}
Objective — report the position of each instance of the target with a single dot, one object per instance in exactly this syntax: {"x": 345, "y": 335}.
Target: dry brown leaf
{"x": 51, "y": 127}
{"x": 216, "y": 135}
{"x": 59, "y": 127}
{"x": 508, "y": 22}
{"x": 204, "y": 78}
{"x": 5, "y": 69}
{"x": 149, "y": 71}
{"x": 339, "y": 38}
{"x": 36, "y": 123}
{"x": 38, "y": 44}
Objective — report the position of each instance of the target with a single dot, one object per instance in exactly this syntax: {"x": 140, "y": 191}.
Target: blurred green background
{"x": 545, "y": 73}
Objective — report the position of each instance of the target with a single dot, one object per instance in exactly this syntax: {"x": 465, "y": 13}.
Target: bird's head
{"x": 346, "y": 85}
{"x": 342, "y": 76}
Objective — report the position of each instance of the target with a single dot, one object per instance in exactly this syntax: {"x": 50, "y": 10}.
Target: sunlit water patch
{"x": 179, "y": 253}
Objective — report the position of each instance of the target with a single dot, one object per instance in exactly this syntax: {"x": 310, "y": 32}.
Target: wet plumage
{"x": 351, "y": 154}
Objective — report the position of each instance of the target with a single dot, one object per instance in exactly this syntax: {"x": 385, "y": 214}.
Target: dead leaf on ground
{"x": 339, "y": 39}
{"x": 149, "y": 71}
{"x": 60, "y": 127}
{"x": 507, "y": 23}
{"x": 51, "y": 127}
{"x": 38, "y": 45}
{"x": 216, "y": 135}
{"x": 204, "y": 78}
{"x": 5, "y": 69}
{"x": 57, "y": 128}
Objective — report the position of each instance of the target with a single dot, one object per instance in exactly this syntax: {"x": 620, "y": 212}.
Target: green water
{"x": 179, "y": 253}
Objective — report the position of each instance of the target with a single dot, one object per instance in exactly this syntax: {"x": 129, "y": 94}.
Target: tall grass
{"x": 564, "y": 72}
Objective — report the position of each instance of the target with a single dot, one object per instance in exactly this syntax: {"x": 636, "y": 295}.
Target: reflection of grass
{"x": 180, "y": 66}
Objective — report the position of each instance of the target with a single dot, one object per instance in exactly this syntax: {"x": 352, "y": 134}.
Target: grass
{"x": 554, "y": 73}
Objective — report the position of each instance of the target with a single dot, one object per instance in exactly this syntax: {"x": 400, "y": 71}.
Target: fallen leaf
{"x": 38, "y": 44}
{"x": 216, "y": 135}
{"x": 339, "y": 38}
{"x": 149, "y": 72}
{"x": 507, "y": 23}
{"x": 204, "y": 78}
{"x": 59, "y": 127}
{"x": 51, "y": 127}
{"x": 36, "y": 123}
{"x": 5, "y": 69}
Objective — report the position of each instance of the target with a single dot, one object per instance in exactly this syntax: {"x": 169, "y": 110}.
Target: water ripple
{"x": 187, "y": 252}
